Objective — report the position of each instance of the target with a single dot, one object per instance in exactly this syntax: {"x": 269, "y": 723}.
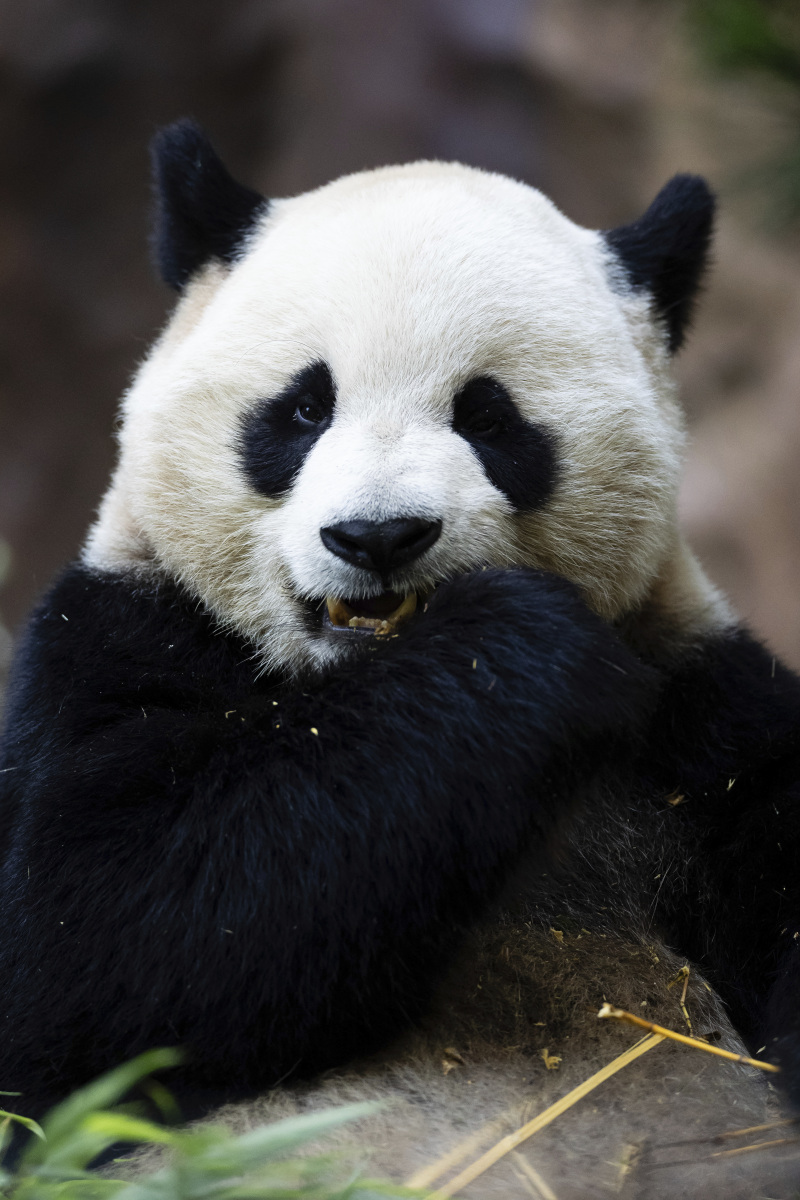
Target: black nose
{"x": 381, "y": 546}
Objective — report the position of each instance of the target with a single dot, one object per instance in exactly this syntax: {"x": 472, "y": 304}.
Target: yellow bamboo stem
{"x": 757, "y": 1146}
{"x": 541, "y": 1186}
{"x": 512, "y": 1140}
{"x": 619, "y": 1014}
{"x": 425, "y": 1176}
{"x": 730, "y": 1133}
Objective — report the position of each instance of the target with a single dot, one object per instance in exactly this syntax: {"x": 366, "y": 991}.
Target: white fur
{"x": 407, "y": 281}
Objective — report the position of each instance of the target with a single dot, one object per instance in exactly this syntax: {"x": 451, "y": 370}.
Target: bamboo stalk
{"x": 425, "y": 1176}
{"x": 512, "y": 1140}
{"x": 730, "y": 1133}
{"x": 757, "y": 1146}
{"x": 541, "y": 1186}
{"x": 619, "y": 1014}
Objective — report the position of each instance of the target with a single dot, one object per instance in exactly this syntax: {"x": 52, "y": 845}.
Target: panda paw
{"x": 529, "y": 635}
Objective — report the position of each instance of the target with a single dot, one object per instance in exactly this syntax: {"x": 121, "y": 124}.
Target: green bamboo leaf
{"x": 73, "y": 1154}
{"x": 28, "y": 1122}
{"x": 85, "y": 1189}
{"x": 211, "y": 1171}
{"x": 162, "y": 1098}
{"x": 207, "y": 1163}
{"x": 254, "y": 1148}
{"x": 122, "y": 1128}
{"x": 62, "y": 1122}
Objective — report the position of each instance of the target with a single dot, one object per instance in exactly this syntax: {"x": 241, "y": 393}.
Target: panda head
{"x": 403, "y": 375}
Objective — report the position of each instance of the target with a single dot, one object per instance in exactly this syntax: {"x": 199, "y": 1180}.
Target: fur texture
{"x": 474, "y": 1071}
{"x": 201, "y": 212}
{"x": 229, "y": 825}
{"x": 298, "y": 861}
{"x": 409, "y": 283}
{"x": 666, "y": 251}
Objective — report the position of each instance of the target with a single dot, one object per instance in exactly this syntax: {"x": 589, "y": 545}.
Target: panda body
{"x": 231, "y": 820}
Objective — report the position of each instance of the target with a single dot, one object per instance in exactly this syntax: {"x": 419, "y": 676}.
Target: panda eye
{"x": 482, "y": 410}
{"x": 486, "y": 424}
{"x": 310, "y": 412}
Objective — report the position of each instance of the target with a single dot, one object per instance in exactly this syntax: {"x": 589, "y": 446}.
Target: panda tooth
{"x": 373, "y": 623}
{"x": 338, "y": 611}
{"x": 405, "y": 609}
{"x": 342, "y": 615}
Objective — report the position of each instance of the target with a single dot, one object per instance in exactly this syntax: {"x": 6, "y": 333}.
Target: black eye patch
{"x": 519, "y": 457}
{"x": 280, "y": 431}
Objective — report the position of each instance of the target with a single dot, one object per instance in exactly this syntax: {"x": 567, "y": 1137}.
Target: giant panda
{"x": 386, "y": 724}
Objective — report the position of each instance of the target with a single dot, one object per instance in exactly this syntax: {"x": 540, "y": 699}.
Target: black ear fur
{"x": 201, "y": 212}
{"x": 666, "y": 250}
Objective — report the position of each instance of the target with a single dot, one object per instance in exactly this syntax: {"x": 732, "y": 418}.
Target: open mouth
{"x": 379, "y": 615}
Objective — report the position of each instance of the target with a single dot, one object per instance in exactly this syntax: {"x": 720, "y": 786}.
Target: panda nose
{"x": 381, "y": 546}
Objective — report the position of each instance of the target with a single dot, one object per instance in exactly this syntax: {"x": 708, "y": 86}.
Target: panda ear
{"x": 666, "y": 251}
{"x": 201, "y": 212}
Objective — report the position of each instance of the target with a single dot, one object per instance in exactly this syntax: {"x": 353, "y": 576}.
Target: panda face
{"x": 381, "y": 501}
{"x": 407, "y": 374}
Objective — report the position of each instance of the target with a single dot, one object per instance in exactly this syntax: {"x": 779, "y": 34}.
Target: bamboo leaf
{"x": 122, "y": 1128}
{"x": 28, "y": 1122}
{"x": 62, "y": 1122}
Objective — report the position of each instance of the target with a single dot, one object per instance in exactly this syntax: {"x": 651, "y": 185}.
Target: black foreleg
{"x": 727, "y": 739}
{"x": 271, "y": 875}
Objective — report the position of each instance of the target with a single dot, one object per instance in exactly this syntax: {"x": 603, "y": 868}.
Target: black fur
{"x": 697, "y": 843}
{"x": 201, "y": 212}
{"x": 727, "y": 738}
{"x": 187, "y": 861}
{"x": 274, "y": 875}
{"x": 666, "y": 251}
{"x": 274, "y": 441}
{"x": 518, "y": 457}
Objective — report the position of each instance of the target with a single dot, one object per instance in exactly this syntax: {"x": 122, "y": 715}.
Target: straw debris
{"x": 512, "y": 1140}
{"x": 619, "y": 1014}
{"x": 551, "y": 1061}
{"x": 538, "y": 1186}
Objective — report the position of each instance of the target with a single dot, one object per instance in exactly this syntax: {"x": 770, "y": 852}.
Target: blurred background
{"x": 597, "y": 102}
